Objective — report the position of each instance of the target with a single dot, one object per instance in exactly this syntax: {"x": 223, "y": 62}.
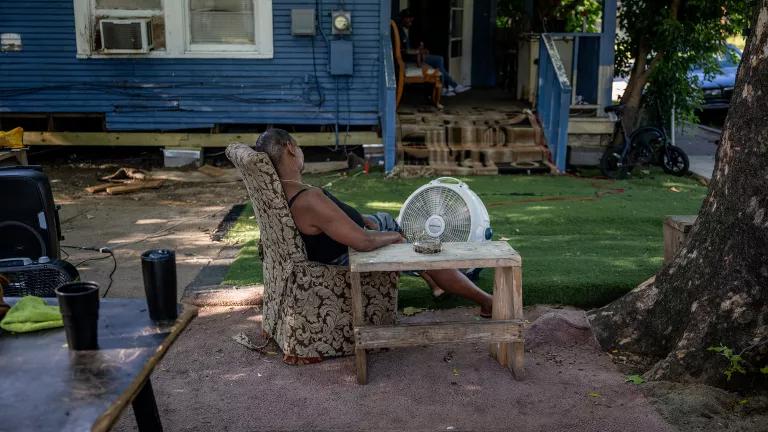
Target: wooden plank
{"x": 395, "y": 336}
{"x": 324, "y": 167}
{"x": 99, "y": 187}
{"x": 186, "y": 140}
{"x": 134, "y": 187}
{"x": 401, "y": 257}
{"x": 518, "y": 347}
{"x": 502, "y": 309}
{"x": 593, "y": 125}
{"x": 361, "y": 361}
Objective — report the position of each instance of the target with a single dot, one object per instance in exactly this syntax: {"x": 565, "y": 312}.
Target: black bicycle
{"x": 644, "y": 146}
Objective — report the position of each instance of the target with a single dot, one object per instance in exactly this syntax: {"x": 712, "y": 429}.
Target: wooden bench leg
{"x": 518, "y": 348}
{"x": 508, "y": 304}
{"x": 21, "y": 156}
{"x": 361, "y": 360}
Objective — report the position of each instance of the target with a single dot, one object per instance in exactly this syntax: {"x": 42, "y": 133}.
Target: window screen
{"x": 221, "y": 22}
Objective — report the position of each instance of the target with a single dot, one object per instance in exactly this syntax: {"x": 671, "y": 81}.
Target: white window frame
{"x": 177, "y": 32}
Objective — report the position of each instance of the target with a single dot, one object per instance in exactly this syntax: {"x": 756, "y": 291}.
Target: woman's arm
{"x": 316, "y": 213}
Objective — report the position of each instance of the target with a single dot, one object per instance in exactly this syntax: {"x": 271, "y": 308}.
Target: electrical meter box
{"x": 302, "y": 22}
{"x": 342, "y": 57}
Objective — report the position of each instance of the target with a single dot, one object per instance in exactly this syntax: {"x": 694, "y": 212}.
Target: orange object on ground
{"x": 12, "y": 139}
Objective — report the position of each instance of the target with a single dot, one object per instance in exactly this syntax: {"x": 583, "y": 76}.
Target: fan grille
{"x": 440, "y": 201}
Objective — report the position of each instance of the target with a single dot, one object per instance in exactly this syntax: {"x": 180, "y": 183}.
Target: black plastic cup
{"x": 158, "y": 267}
{"x": 79, "y": 305}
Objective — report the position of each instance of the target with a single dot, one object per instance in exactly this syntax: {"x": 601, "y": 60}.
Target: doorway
{"x": 445, "y": 28}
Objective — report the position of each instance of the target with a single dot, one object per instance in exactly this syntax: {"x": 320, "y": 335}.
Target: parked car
{"x": 718, "y": 89}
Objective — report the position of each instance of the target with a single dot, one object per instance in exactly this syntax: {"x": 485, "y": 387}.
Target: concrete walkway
{"x": 700, "y": 143}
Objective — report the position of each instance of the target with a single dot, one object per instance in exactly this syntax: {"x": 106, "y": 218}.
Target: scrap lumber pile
{"x": 474, "y": 141}
{"x": 125, "y": 180}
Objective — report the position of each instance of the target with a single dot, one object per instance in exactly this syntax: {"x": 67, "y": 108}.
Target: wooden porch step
{"x": 459, "y": 143}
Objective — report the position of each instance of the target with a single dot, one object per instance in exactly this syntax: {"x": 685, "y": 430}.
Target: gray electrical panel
{"x": 342, "y": 57}
{"x": 302, "y": 22}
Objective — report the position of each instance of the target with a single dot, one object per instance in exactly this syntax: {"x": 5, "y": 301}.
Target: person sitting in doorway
{"x": 329, "y": 227}
{"x": 404, "y": 22}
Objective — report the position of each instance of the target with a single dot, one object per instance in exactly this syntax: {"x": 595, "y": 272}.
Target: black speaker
{"x": 29, "y": 219}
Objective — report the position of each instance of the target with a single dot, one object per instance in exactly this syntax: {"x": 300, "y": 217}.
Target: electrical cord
{"x": 349, "y": 108}
{"x": 318, "y": 87}
{"x": 336, "y": 124}
{"x": 105, "y": 250}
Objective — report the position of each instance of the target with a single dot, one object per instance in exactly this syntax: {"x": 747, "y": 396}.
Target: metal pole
{"x": 673, "y": 119}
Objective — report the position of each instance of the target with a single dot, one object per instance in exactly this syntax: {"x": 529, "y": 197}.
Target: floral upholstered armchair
{"x": 307, "y": 305}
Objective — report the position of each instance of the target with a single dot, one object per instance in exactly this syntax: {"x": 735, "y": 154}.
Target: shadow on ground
{"x": 208, "y": 382}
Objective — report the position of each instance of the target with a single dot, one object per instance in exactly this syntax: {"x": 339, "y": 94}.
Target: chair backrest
{"x": 280, "y": 239}
{"x": 397, "y": 49}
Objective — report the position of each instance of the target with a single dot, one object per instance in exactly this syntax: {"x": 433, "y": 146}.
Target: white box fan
{"x": 445, "y": 208}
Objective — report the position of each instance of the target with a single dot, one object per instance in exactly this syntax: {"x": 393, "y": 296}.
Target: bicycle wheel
{"x": 611, "y": 164}
{"x": 675, "y": 161}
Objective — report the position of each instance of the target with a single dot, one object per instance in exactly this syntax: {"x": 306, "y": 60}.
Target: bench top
{"x": 681, "y": 222}
{"x": 402, "y": 257}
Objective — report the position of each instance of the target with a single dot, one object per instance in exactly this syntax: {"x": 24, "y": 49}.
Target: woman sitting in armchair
{"x": 328, "y": 226}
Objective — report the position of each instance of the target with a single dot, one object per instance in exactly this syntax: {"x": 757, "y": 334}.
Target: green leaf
{"x": 594, "y": 394}
{"x": 764, "y": 370}
{"x": 634, "y": 379}
{"x": 720, "y": 349}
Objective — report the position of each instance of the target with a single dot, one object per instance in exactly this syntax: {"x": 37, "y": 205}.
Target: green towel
{"x": 31, "y": 314}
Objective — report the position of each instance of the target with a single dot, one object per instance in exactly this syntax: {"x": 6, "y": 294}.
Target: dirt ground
{"x": 180, "y": 216}
{"x": 209, "y": 383}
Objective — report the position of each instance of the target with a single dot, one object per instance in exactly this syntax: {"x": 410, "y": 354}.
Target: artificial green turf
{"x": 584, "y": 241}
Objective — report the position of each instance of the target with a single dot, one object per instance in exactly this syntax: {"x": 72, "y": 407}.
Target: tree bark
{"x": 715, "y": 291}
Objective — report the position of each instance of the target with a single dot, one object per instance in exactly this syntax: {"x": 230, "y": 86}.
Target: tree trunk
{"x": 633, "y": 95}
{"x": 638, "y": 77}
{"x": 715, "y": 291}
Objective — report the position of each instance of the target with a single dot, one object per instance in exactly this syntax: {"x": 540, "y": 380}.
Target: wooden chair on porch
{"x": 410, "y": 73}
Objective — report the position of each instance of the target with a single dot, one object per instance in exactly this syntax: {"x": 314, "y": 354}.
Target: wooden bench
{"x": 676, "y": 229}
{"x": 20, "y": 154}
{"x": 504, "y": 331}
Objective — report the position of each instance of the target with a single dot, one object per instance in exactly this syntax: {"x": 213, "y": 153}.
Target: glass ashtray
{"x": 431, "y": 246}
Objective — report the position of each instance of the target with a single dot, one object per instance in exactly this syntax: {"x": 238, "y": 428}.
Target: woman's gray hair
{"x": 273, "y": 142}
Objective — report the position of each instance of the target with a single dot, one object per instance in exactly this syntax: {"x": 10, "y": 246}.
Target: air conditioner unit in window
{"x": 126, "y": 36}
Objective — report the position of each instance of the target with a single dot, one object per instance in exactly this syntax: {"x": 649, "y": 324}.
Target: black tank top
{"x": 320, "y": 247}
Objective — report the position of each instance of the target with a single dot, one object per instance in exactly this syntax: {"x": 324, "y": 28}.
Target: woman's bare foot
{"x": 437, "y": 292}
{"x": 486, "y": 311}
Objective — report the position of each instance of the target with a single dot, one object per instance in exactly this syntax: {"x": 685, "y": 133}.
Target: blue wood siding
{"x": 174, "y": 94}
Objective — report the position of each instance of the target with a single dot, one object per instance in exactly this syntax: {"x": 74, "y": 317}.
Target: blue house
{"x": 196, "y": 73}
